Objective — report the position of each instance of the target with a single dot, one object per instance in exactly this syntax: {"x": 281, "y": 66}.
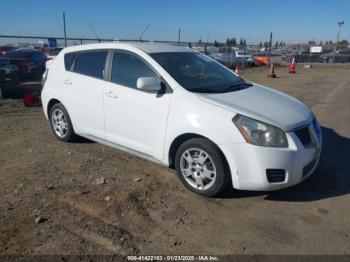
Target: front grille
{"x": 309, "y": 167}
{"x": 275, "y": 175}
{"x": 304, "y": 135}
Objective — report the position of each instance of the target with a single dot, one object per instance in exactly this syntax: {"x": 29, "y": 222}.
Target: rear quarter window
{"x": 68, "y": 60}
{"x": 91, "y": 63}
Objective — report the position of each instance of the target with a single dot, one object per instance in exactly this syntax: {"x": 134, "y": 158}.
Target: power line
{"x": 93, "y": 29}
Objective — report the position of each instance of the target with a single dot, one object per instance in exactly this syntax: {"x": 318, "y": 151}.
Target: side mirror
{"x": 148, "y": 84}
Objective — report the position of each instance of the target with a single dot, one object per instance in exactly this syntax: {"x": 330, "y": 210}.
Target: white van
{"x": 182, "y": 109}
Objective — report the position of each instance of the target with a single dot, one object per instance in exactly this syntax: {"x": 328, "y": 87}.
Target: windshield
{"x": 197, "y": 73}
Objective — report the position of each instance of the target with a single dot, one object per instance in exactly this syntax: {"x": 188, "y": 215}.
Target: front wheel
{"x": 201, "y": 167}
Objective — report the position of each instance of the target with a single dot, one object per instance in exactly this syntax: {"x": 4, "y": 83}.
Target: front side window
{"x": 197, "y": 73}
{"x": 127, "y": 68}
{"x": 91, "y": 63}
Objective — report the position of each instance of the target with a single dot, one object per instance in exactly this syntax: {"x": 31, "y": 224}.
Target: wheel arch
{"x": 50, "y": 104}
{"x": 179, "y": 140}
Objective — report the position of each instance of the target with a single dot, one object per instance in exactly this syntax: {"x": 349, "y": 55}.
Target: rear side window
{"x": 37, "y": 57}
{"x": 68, "y": 60}
{"x": 91, "y": 63}
{"x": 127, "y": 68}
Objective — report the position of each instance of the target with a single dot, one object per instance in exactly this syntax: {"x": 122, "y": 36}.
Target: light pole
{"x": 340, "y": 24}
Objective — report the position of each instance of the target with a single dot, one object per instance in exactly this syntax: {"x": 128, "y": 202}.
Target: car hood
{"x": 264, "y": 104}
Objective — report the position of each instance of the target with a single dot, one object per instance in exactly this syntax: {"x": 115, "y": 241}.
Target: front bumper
{"x": 248, "y": 163}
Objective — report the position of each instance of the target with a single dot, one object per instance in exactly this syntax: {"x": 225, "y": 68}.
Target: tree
{"x": 266, "y": 45}
{"x": 276, "y": 44}
{"x": 321, "y": 43}
{"x": 244, "y": 43}
{"x": 312, "y": 42}
{"x": 260, "y": 45}
{"x": 241, "y": 42}
{"x": 234, "y": 43}
{"x": 216, "y": 44}
{"x": 227, "y": 41}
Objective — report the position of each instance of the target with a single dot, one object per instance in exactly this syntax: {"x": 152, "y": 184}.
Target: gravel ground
{"x": 87, "y": 198}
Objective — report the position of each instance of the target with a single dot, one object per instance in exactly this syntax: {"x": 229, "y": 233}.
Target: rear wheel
{"x": 61, "y": 123}
{"x": 201, "y": 167}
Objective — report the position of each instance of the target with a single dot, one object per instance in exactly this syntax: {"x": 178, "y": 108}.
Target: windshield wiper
{"x": 236, "y": 87}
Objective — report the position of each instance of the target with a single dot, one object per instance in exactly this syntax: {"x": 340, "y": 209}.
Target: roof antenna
{"x": 93, "y": 29}
{"x": 144, "y": 31}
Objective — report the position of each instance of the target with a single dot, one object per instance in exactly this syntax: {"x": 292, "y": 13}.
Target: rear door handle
{"x": 67, "y": 82}
{"x": 111, "y": 94}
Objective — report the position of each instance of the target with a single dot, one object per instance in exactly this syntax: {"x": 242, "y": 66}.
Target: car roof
{"x": 25, "y": 50}
{"x": 147, "y": 47}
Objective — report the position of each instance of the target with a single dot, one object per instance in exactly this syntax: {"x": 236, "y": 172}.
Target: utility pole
{"x": 64, "y": 30}
{"x": 244, "y": 48}
{"x": 206, "y": 43}
{"x": 179, "y": 36}
{"x": 270, "y": 44}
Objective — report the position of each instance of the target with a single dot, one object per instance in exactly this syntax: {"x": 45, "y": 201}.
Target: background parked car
{"x": 30, "y": 62}
{"x": 51, "y": 55}
{"x": 4, "y": 49}
{"x": 9, "y": 73}
{"x": 224, "y": 55}
{"x": 229, "y": 55}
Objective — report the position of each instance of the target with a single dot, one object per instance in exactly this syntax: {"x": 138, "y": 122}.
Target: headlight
{"x": 259, "y": 133}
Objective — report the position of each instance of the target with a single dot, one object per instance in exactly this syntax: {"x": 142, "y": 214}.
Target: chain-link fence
{"x": 318, "y": 58}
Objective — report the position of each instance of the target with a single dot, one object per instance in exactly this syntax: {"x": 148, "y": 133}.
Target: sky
{"x": 289, "y": 20}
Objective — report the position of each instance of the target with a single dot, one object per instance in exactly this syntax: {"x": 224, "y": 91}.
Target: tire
{"x": 213, "y": 171}
{"x": 61, "y": 124}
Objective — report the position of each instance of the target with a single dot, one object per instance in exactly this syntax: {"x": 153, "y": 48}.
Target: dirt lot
{"x": 143, "y": 209}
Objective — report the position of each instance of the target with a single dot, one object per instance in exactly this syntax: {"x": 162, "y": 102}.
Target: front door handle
{"x": 67, "y": 82}
{"x": 111, "y": 94}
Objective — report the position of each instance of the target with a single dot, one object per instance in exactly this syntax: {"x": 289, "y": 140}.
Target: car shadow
{"x": 19, "y": 90}
{"x": 83, "y": 140}
{"x": 330, "y": 179}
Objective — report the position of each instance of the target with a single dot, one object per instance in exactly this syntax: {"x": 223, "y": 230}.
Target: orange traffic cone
{"x": 272, "y": 71}
{"x": 292, "y": 67}
{"x": 237, "y": 69}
